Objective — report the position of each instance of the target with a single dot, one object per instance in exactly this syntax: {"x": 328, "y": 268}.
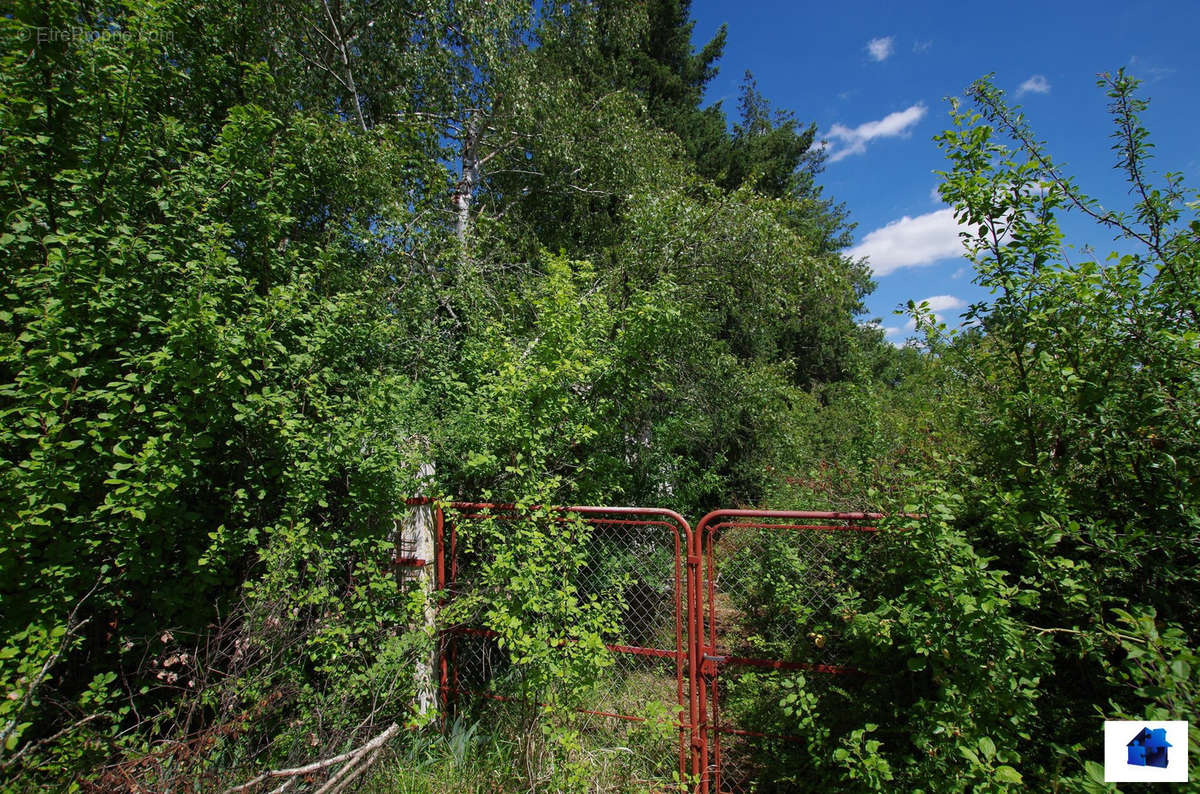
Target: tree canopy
{"x": 262, "y": 260}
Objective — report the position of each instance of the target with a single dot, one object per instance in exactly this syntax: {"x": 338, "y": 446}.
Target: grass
{"x": 565, "y": 752}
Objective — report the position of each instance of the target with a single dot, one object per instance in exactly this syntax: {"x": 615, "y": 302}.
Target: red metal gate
{"x": 636, "y": 558}
{"x": 737, "y": 625}
{"x": 777, "y": 592}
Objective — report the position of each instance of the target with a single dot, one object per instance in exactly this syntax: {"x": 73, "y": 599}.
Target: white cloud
{"x": 846, "y": 141}
{"x": 922, "y": 46}
{"x": 942, "y": 303}
{"x": 934, "y": 196}
{"x": 895, "y": 334}
{"x": 1148, "y": 70}
{"x": 911, "y": 242}
{"x": 1037, "y": 84}
{"x": 938, "y": 305}
{"x": 881, "y": 48}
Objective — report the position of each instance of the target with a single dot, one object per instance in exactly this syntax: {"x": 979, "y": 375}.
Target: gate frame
{"x": 710, "y": 662}
{"x": 687, "y": 576}
{"x": 698, "y": 664}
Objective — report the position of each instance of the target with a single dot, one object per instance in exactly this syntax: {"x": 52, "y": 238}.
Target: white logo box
{"x": 1118, "y": 734}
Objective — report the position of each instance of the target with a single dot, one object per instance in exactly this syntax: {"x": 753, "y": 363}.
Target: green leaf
{"x": 1181, "y": 670}
{"x": 1006, "y": 774}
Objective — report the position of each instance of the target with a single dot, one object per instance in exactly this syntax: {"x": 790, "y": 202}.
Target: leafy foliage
{"x": 260, "y": 260}
{"x": 1081, "y": 391}
{"x": 196, "y": 356}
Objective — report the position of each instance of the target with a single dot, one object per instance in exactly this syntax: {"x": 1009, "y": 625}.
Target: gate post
{"x": 695, "y": 634}
{"x": 415, "y": 555}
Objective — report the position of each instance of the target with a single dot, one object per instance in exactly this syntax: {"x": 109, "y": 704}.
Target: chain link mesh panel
{"x": 780, "y": 593}
{"x": 632, "y": 565}
{"x": 777, "y": 669}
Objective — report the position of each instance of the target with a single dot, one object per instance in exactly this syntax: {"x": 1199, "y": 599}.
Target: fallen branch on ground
{"x": 356, "y": 761}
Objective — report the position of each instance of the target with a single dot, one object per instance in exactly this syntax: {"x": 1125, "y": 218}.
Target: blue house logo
{"x": 1149, "y": 748}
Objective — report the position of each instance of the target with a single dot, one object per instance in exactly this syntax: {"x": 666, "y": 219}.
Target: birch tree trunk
{"x": 342, "y": 46}
{"x": 416, "y": 554}
{"x": 468, "y": 180}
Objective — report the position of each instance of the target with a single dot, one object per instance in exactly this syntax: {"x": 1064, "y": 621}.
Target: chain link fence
{"x": 781, "y": 590}
{"x": 630, "y": 566}
{"x": 724, "y": 659}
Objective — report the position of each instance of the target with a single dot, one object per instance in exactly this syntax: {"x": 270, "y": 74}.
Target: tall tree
{"x": 660, "y": 65}
{"x": 770, "y": 148}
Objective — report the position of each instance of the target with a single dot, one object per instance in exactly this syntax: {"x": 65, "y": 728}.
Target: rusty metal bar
{"x": 757, "y": 735}
{"x": 806, "y": 527}
{"x": 773, "y": 664}
{"x": 831, "y": 515}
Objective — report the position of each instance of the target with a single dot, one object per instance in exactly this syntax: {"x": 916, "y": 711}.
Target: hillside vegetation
{"x": 261, "y": 260}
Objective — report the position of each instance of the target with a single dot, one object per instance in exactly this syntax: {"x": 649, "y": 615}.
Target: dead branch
{"x": 11, "y": 760}
{"x": 356, "y": 761}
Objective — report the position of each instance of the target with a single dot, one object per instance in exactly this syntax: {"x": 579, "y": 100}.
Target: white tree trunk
{"x": 467, "y": 182}
{"x": 416, "y": 553}
{"x": 342, "y": 46}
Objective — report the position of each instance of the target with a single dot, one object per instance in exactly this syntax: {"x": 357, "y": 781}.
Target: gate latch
{"x": 708, "y": 664}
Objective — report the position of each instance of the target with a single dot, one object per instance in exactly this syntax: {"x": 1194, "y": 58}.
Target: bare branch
{"x": 483, "y": 160}
{"x": 1127, "y": 134}
{"x": 353, "y": 757}
{"x": 1018, "y": 131}
{"x": 49, "y": 739}
{"x": 73, "y": 625}
{"x": 343, "y": 51}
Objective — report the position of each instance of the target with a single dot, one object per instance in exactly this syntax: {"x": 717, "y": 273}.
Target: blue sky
{"x": 874, "y": 77}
